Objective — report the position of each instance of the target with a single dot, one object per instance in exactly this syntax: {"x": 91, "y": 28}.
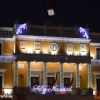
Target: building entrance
{"x": 34, "y": 81}
{"x": 98, "y": 84}
{"x": 0, "y": 81}
{"x": 51, "y": 81}
{"x": 66, "y": 82}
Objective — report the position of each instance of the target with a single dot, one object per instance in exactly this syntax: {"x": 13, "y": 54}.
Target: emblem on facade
{"x": 21, "y": 29}
{"x": 83, "y": 32}
{"x": 53, "y": 46}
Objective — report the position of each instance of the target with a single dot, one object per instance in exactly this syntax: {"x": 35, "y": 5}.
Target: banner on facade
{"x": 70, "y": 48}
{"x": 82, "y": 47}
{"x": 22, "y": 44}
{"x": 37, "y": 45}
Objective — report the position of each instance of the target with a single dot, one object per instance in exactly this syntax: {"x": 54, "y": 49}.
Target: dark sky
{"x": 68, "y": 12}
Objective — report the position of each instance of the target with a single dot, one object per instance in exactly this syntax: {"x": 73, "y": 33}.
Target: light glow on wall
{"x": 37, "y": 51}
{"x": 29, "y": 50}
{"x": 83, "y": 32}
{"x": 69, "y": 52}
{"x": 45, "y": 51}
{"x": 20, "y": 29}
{"x": 83, "y": 53}
{"x": 8, "y": 91}
{"x": 76, "y": 53}
{"x": 92, "y": 56}
{"x": 53, "y": 52}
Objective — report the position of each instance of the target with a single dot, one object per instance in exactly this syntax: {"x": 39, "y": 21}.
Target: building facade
{"x": 49, "y": 55}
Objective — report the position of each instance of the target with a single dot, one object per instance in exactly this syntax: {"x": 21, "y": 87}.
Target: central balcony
{"x": 52, "y": 58}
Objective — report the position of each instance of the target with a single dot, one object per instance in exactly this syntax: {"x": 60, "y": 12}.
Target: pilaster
{"x": 15, "y": 74}
{"x": 77, "y": 76}
{"x": 45, "y": 73}
{"x": 90, "y": 90}
{"x": 78, "y": 89}
{"x": 28, "y": 75}
{"x": 61, "y": 76}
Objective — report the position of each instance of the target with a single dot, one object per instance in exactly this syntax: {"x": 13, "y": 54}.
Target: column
{"x": 61, "y": 76}
{"x": 45, "y": 73}
{"x": 78, "y": 89}
{"x": 77, "y": 76}
{"x": 28, "y": 84}
{"x": 89, "y": 76}
{"x": 90, "y": 90}
{"x": 16, "y": 74}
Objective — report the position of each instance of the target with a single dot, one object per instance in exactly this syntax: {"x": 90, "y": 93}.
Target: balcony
{"x": 52, "y": 58}
{"x": 95, "y": 62}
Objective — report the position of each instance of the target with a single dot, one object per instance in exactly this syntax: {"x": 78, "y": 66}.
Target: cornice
{"x": 51, "y": 38}
{"x": 95, "y": 44}
{"x": 8, "y": 39}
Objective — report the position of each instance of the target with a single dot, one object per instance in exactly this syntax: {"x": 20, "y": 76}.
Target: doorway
{"x": 98, "y": 84}
{"x": 66, "y": 82}
{"x": 51, "y": 81}
{"x": 0, "y": 81}
{"x": 34, "y": 81}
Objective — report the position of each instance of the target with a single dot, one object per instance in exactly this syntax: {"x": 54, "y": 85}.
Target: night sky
{"x": 67, "y": 12}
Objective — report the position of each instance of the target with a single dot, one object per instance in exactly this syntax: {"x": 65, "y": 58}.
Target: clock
{"x": 50, "y": 12}
{"x": 53, "y": 46}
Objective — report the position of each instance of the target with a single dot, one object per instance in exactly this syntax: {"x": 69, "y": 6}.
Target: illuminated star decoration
{"x": 83, "y": 32}
{"x": 21, "y": 29}
{"x": 51, "y": 12}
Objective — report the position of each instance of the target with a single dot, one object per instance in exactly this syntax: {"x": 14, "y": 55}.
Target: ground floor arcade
{"x": 54, "y": 73}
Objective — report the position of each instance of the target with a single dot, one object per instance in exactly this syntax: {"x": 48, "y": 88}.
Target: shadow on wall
{"x": 20, "y": 80}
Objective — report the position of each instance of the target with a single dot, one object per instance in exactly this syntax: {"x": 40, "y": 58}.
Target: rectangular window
{"x": 98, "y": 53}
